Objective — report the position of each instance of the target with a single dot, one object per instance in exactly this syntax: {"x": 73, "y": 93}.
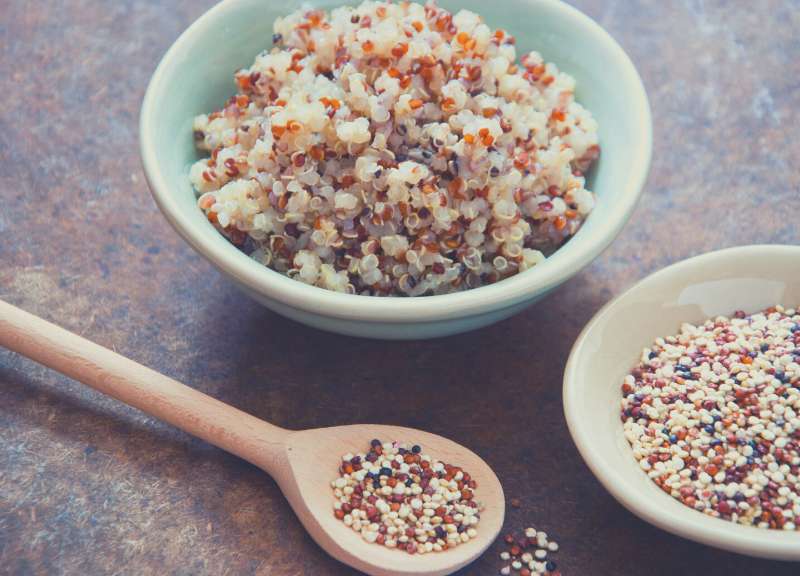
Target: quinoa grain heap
{"x": 527, "y": 555}
{"x": 396, "y": 149}
{"x": 398, "y": 497}
{"x": 713, "y": 417}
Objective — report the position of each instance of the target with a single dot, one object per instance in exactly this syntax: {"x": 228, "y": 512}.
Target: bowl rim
{"x": 679, "y": 519}
{"x": 298, "y": 295}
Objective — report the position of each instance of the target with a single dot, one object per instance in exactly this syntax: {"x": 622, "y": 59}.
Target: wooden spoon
{"x": 303, "y": 463}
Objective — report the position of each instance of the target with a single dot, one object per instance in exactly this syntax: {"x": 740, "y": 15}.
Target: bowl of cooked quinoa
{"x": 691, "y": 417}
{"x": 396, "y": 169}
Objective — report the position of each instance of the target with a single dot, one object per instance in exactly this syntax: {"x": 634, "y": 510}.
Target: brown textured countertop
{"x": 88, "y": 486}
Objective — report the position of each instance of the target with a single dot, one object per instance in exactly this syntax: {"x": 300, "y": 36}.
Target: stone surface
{"x": 88, "y": 486}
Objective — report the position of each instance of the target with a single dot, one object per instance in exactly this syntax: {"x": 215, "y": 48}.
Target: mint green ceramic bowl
{"x": 196, "y": 76}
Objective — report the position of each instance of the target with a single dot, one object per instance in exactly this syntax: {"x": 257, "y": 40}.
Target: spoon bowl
{"x": 303, "y": 479}
{"x": 303, "y": 463}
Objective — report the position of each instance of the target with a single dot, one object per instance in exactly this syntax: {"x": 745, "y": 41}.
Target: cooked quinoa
{"x": 396, "y": 149}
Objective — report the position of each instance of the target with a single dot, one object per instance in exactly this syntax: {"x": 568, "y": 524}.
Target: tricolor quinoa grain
{"x": 528, "y": 554}
{"x": 397, "y": 496}
{"x": 713, "y": 417}
{"x": 396, "y": 149}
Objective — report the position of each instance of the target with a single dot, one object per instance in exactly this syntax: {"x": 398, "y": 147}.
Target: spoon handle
{"x": 110, "y": 373}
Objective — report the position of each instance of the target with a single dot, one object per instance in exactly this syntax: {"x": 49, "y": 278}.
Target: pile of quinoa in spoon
{"x": 397, "y": 496}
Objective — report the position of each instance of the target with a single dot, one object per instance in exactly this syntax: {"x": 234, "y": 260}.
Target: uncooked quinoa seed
{"x": 396, "y": 496}
{"x": 713, "y": 417}
{"x": 527, "y": 555}
{"x": 396, "y": 149}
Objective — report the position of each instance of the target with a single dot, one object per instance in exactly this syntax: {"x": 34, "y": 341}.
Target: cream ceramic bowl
{"x": 196, "y": 76}
{"x": 749, "y": 278}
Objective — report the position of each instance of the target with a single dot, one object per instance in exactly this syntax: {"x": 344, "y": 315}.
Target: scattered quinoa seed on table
{"x": 397, "y": 496}
{"x": 528, "y": 554}
{"x": 396, "y": 149}
{"x": 713, "y": 417}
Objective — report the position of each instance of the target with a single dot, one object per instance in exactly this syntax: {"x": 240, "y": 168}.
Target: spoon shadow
{"x": 67, "y": 445}
{"x": 80, "y": 415}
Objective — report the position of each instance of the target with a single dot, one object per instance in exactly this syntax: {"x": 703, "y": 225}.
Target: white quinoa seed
{"x": 396, "y": 149}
